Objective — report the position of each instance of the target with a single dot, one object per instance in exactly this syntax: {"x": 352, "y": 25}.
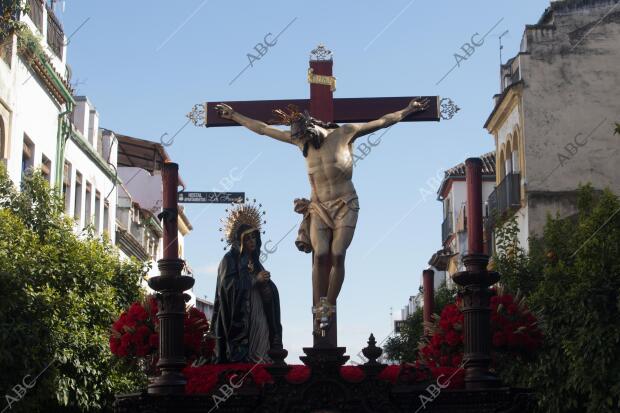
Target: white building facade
{"x": 453, "y": 194}
{"x": 42, "y": 125}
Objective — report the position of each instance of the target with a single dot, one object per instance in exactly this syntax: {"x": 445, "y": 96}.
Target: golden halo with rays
{"x": 238, "y": 214}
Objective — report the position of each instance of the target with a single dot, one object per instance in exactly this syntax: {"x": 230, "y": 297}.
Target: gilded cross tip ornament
{"x": 198, "y": 115}
{"x": 321, "y": 53}
{"x": 448, "y": 108}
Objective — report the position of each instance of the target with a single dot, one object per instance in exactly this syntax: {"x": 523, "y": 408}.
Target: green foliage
{"x": 519, "y": 271}
{"x": 577, "y": 292}
{"x": 9, "y": 18}
{"x": 60, "y": 294}
{"x": 29, "y": 45}
{"x": 403, "y": 347}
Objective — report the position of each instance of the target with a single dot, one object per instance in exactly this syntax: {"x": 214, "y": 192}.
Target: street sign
{"x": 212, "y": 197}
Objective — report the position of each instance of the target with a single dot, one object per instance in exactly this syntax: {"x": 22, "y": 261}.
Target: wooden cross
{"x": 322, "y": 104}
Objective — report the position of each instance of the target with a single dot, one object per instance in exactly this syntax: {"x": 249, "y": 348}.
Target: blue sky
{"x": 145, "y": 64}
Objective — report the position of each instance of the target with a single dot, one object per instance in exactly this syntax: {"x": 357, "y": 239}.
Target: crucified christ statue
{"x": 333, "y": 206}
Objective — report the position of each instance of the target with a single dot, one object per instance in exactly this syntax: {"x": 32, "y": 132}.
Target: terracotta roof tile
{"x": 488, "y": 166}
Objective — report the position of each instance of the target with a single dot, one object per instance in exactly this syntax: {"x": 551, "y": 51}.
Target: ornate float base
{"x": 405, "y": 400}
{"x": 325, "y": 390}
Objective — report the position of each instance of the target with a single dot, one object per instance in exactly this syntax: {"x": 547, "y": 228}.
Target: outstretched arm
{"x": 254, "y": 125}
{"x": 416, "y": 105}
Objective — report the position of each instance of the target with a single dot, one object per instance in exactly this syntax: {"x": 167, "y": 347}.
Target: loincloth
{"x": 334, "y": 214}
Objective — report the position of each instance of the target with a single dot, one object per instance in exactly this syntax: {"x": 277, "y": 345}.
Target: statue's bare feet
{"x": 323, "y": 313}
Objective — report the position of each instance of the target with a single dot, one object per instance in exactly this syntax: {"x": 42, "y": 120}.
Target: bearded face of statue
{"x": 309, "y": 131}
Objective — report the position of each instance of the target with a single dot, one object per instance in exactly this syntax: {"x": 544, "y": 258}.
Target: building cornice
{"x": 507, "y": 101}
{"x": 81, "y": 142}
{"x": 155, "y": 226}
{"x": 446, "y": 184}
{"x": 128, "y": 244}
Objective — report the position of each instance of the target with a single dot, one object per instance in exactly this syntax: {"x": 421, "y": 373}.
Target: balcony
{"x": 36, "y": 13}
{"x": 55, "y": 34}
{"x": 446, "y": 228}
{"x": 505, "y": 197}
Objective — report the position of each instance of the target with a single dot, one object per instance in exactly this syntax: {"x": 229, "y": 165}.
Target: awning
{"x": 143, "y": 154}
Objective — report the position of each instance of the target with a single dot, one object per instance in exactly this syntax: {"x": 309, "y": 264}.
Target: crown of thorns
{"x": 287, "y": 116}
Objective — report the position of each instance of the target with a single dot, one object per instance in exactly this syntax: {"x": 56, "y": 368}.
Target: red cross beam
{"x": 322, "y": 105}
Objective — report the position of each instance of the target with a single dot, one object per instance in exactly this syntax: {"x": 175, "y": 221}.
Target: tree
{"x": 572, "y": 276}
{"x": 10, "y": 11}
{"x": 60, "y": 293}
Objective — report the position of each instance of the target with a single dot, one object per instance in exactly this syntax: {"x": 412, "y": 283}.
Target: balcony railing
{"x": 55, "y": 34}
{"x": 36, "y": 13}
{"x": 446, "y": 228}
{"x": 505, "y": 197}
{"x": 489, "y": 242}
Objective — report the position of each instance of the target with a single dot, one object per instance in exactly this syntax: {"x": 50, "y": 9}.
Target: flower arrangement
{"x": 136, "y": 332}
{"x": 514, "y": 330}
{"x": 135, "y": 335}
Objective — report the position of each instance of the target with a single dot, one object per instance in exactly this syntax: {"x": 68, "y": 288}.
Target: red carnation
{"x": 444, "y": 361}
{"x": 154, "y": 340}
{"x": 457, "y": 359}
{"x": 137, "y": 312}
{"x": 452, "y": 338}
{"x": 114, "y": 344}
{"x": 512, "y": 308}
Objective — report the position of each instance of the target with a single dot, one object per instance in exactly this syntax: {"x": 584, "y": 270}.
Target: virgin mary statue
{"x": 246, "y": 314}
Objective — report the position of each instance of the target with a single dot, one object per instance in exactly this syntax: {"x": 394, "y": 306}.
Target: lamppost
{"x": 170, "y": 286}
{"x": 475, "y": 282}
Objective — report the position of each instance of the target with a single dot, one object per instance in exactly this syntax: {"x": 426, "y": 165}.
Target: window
{"x": 66, "y": 186}
{"x": 27, "y": 155}
{"x": 508, "y": 160}
{"x": 98, "y": 211}
{"x": 515, "y": 154}
{"x": 88, "y": 204}
{"x": 106, "y": 217}
{"x": 46, "y": 169}
{"x": 502, "y": 166}
{"x": 447, "y": 208}
{"x": 77, "y": 209}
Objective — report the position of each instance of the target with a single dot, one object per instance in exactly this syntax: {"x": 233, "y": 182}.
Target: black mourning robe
{"x": 232, "y": 312}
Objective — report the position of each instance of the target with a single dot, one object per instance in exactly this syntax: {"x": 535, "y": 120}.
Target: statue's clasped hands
{"x": 263, "y": 276}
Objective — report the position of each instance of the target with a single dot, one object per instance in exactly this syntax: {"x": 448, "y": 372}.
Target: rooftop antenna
{"x": 501, "y": 46}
